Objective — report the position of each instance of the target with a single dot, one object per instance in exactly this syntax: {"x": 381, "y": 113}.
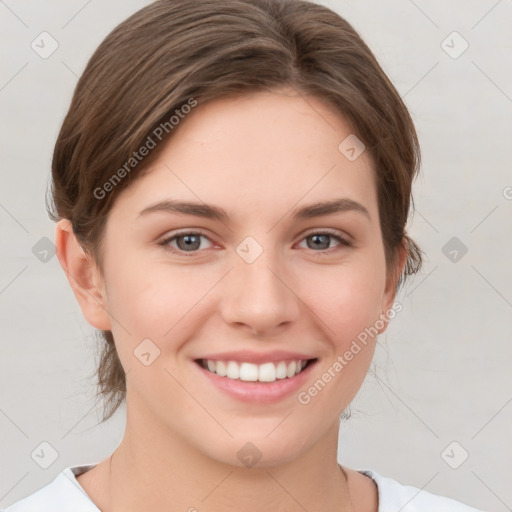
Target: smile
{"x": 250, "y": 372}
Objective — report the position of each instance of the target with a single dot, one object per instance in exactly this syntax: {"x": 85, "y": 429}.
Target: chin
{"x": 260, "y": 451}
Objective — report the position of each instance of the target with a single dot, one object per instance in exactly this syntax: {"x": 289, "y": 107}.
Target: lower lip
{"x": 258, "y": 392}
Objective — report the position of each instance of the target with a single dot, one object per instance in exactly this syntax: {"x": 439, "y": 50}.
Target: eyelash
{"x": 342, "y": 242}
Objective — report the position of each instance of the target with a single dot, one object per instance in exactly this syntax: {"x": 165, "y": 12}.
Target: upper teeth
{"x": 267, "y": 372}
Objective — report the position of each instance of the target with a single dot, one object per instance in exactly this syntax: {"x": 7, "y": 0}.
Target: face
{"x": 263, "y": 286}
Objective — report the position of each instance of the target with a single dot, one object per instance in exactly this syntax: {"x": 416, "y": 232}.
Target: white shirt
{"x": 65, "y": 494}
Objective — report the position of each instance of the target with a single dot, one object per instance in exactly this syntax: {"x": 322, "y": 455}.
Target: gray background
{"x": 442, "y": 369}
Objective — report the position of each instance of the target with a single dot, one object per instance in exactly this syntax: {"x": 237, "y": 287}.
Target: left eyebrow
{"x": 214, "y": 212}
{"x": 329, "y": 207}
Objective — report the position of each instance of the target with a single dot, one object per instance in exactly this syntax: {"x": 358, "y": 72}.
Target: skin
{"x": 259, "y": 156}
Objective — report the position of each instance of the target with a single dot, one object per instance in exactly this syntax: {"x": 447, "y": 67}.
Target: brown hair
{"x": 170, "y": 52}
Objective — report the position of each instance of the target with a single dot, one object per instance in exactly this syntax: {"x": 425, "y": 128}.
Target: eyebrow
{"x": 214, "y": 212}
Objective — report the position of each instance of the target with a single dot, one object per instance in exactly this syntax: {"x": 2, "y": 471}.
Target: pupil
{"x": 317, "y": 238}
{"x": 190, "y": 242}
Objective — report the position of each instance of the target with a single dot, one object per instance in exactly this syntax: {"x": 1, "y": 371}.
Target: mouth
{"x": 250, "y": 372}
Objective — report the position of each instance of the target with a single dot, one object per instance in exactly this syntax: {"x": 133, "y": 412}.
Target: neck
{"x": 159, "y": 472}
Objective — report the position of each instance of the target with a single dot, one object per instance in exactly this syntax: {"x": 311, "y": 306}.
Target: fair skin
{"x": 260, "y": 157}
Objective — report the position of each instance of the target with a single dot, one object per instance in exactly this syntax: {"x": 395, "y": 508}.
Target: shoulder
{"x": 61, "y": 495}
{"x": 394, "y": 497}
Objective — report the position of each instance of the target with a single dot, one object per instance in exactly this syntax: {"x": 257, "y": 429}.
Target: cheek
{"x": 348, "y": 300}
{"x": 348, "y": 306}
{"x": 155, "y": 301}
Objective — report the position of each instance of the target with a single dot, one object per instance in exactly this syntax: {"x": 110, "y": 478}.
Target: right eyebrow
{"x": 188, "y": 208}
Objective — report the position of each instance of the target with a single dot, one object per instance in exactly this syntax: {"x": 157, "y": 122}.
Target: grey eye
{"x": 319, "y": 241}
{"x": 188, "y": 242}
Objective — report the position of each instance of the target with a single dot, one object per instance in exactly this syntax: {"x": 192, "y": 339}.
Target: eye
{"x": 190, "y": 242}
{"x": 321, "y": 241}
{"x": 185, "y": 242}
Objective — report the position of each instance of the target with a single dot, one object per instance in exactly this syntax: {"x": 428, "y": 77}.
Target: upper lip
{"x": 242, "y": 356}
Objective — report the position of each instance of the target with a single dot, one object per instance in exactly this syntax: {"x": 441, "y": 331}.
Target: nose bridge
{"x": 259, "y": 294}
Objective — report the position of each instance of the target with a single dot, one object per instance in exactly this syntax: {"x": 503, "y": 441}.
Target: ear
{"x": 83, "y": 275}
{"x": 392, "y": 281}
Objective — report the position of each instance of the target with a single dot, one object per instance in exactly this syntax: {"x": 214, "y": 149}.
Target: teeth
{"x": 281, "y": 370}
{"x": 233, "y": 371}
{"x": 220, "y": 368}
{"x": 249, "y": 372}
{"x": 267, "y": 372}
{"x": 290, "y": 371}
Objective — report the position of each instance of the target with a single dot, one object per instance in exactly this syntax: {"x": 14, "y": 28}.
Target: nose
{"x": 259, "y": 296}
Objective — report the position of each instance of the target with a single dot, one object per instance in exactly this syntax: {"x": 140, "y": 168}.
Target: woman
{"x": 231, "y": 187}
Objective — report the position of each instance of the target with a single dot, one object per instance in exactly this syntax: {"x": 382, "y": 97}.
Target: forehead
{"x": 260, "y": 152}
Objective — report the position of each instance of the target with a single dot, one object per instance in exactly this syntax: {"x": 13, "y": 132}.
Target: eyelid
{"x": 186, "y": 231}
{"x": 328, "y": 231}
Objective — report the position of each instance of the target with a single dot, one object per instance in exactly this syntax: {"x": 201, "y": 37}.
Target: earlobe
{"x": 391, "y": 284}
{"x": 83, "y": 276}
